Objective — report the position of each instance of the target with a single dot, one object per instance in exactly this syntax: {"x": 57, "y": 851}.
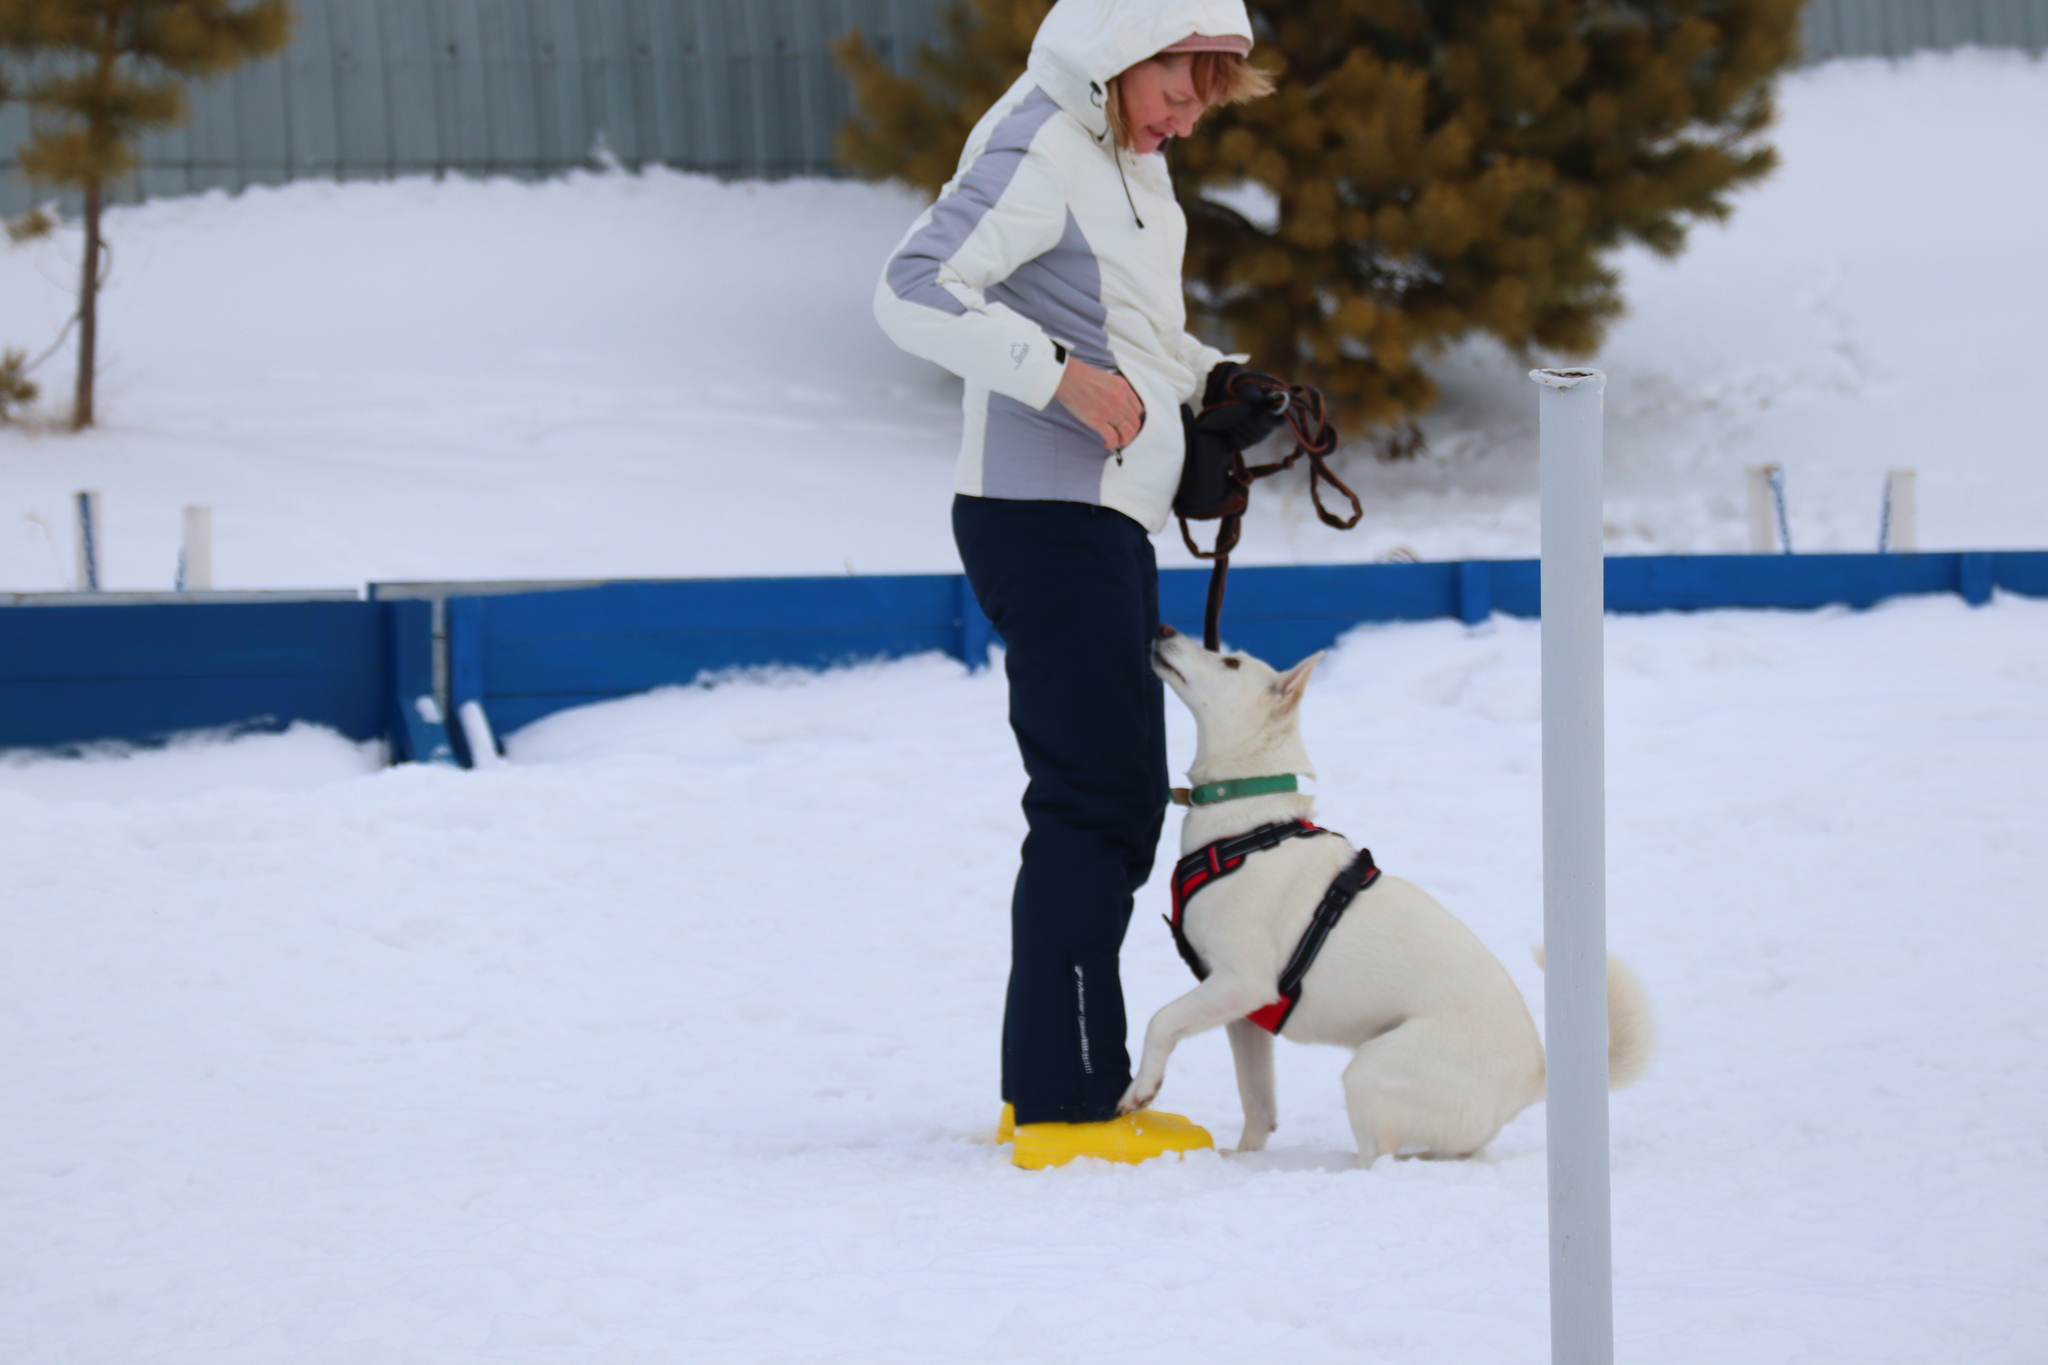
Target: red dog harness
{"x": 1226, "y": 856}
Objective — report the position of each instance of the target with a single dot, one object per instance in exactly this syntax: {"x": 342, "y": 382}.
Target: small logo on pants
{"x": 1081, "y": 1016}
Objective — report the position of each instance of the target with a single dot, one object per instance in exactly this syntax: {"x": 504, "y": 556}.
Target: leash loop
{"x": 1306, "y": 417}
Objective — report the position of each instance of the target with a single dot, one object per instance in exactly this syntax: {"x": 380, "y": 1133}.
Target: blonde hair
{"x": 1220, "y": 78}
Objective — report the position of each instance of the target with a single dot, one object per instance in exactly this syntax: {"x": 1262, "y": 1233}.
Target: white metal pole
{"x": 1784, "y": 516}
{"x": 1763, "y": 512}
{"x": 195, "y": 557}
{"x": 1900, "y": 527}
{"x": 1575, "y": 868}
{"x": 88, "y": 540}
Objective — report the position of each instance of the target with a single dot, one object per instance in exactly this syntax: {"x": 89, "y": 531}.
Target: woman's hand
{"x": 1105, "y": 401}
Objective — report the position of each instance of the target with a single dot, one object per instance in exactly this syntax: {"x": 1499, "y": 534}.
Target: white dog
{"x": 1446, "y": 1050}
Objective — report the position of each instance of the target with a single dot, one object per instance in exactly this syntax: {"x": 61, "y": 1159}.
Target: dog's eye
{"x": 1232, "y": 663}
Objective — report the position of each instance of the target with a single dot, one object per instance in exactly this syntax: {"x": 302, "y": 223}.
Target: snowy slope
{"x": 674, "y": 1040}
{"x": 664, "y": 375}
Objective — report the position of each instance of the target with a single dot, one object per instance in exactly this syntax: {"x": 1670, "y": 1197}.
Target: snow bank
{"x": 674, "y": 1038}
{"x": 663, "y": 375}
{"x": 298, "y": 759}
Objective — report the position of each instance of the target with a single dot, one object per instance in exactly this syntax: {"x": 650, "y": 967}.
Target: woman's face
{"x": 1159, "y": 100}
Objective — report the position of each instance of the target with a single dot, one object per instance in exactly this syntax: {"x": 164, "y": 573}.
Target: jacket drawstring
{"x": 1118, "y": 153}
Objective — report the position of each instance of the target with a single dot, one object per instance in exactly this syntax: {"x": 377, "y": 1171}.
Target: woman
{"x": 1047, "y": 276}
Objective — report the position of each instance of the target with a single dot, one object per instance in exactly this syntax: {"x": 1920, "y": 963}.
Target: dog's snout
{"x": 1167, "y": 632}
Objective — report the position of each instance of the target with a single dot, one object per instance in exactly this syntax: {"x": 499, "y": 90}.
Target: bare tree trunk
{"x": 88, "y": 310}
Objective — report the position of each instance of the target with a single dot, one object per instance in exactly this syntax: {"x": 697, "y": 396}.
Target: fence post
{"x": 1475, "y": 592}
{"x": 1763, "y": 520}
{"x": 1898, "y": 527}
{"x": 419, "y": 731}
{"x": 1973, "y": 577}
{"x": 88, "y": 541}
{"x": 1575, "y": 867}
{"x": 466, "y": 680}
{"x": 195, "y": 554}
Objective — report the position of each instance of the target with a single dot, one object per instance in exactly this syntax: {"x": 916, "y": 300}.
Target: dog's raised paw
{"x": 1133, "y": 1101}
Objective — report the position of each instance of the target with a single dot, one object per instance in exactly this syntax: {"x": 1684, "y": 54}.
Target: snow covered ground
{"x": 663, "y": 375}
{"x": 674, "y": 1039}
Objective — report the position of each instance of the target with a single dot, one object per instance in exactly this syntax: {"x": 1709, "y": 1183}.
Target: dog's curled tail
{"x": 1631, "y": 1028}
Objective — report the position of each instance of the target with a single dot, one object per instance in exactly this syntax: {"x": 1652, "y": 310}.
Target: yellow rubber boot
{"x": 1132, "y": 1138}
{"x": 1006, "y": 1126}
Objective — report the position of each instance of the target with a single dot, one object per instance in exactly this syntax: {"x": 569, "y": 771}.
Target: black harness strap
{"x": 1220, "y": 859}
{"x": 1360, "y": 874}
{"x": 1226, "y": 856}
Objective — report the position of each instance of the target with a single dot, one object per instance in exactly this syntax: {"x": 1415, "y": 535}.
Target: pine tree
{"x": 911, "y": 128}
{"x": 16, "y": 388}
{"x": 1437, "y": 168}
{"x": 97, "y": 74}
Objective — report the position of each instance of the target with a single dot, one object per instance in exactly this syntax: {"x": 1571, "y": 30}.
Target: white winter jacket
{"x": 1050, "y": 235}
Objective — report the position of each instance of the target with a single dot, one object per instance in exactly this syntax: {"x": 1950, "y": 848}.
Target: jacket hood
{"x": 1083, "y": 43}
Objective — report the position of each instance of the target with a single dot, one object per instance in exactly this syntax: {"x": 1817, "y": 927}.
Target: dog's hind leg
{"x": 1216, "y": 1001}
{"x": 1252, "y": 1049}
{"x": 1422, "y": 1088}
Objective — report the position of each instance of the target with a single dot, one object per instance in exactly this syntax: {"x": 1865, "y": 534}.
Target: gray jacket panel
{"x": 914, "y": 270}
{"x": 1026, "y": 452}
{"x": 1061, "y": 291}
{"x": 1040, "y": 454}
{"x": 1050, "y": 453}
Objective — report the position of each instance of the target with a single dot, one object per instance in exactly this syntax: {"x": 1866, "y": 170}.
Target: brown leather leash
{"x": 1314, "y": 438}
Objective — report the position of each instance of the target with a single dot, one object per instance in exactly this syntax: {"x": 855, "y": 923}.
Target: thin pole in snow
{"x": 1898, "y": 526}
{"x": 195, "y": 555}
{"x": 1575, "y": 867}
{"x": 1763, "y": 521}
{"x": 88, "y": 541}
{"x": 1778, "y": 498}
{"x": 476, "y": 729}
{"x": 1770, "y": 528}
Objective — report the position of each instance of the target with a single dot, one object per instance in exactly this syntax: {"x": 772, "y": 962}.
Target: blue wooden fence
{"x": 526, "y": 655}
{"x": 84, "y": 670}
{"x": 74, "y": 669}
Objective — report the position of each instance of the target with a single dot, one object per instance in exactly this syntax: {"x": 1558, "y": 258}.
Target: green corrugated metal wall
{"x": 1894, "y": 28}
{"x": 377, "y": 88}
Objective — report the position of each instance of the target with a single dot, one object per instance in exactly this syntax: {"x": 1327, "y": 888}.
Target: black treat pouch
{"x": 1213, "y": 482}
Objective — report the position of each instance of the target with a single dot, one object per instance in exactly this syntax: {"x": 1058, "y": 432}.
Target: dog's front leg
{"x": 1216, "y": 1001}
{"x": 1252, "y": 1048}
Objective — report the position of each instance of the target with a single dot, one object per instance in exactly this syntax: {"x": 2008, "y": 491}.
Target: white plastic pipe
{"x": 1763, "y": 509}
{"x": 88, "y": 564}
{"x": 1575, "y": 867}
{"x": 1899, "y": 529}
{"x": 476, "y": 729}
{"x": 195, "y": 555}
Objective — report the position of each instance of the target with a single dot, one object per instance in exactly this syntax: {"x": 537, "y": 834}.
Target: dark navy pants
{"x": 1074, "y": 592}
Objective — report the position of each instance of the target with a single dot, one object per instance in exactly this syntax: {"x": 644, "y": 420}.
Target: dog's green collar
{"x": 1209, "y": 793}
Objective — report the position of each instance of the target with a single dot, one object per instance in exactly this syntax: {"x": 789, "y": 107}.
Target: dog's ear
{"x": 1291, "y": 684}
